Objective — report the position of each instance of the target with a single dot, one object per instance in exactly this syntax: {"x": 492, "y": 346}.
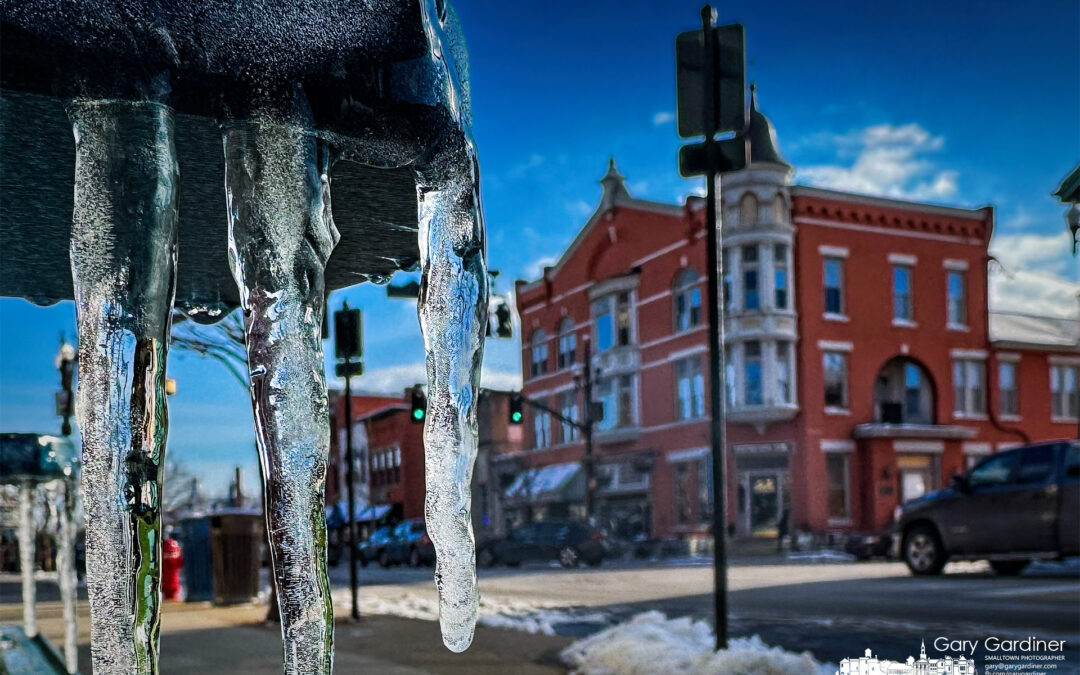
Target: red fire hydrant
{"x": 172, "y": 561}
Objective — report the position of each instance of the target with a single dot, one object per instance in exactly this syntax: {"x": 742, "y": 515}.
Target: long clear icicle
{"x": 453, "y": 316}
{"x": 123, "y": 256}
{"x": 280, "y": 237}
{"x": 27, "y": 548}
{"x": 65, "y": 564}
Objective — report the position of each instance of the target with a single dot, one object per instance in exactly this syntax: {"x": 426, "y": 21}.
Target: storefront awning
{"x": 554, "y": 483}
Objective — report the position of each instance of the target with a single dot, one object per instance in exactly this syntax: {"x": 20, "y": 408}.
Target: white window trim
{"x": 1008, "y": 357}
{"x": 954, "y": 265}
{"x": 977, "y": 448}
{"x": 904, "y": 323}
{"x": 959, "y": 327}
{"x": 833, "y": 251}
{"x": 1056, "y": 360}
{"x": 830, "y": 316}
{"x": 903, "y": 259}
{"x": 837, "y": 445}
{"x": 970, "y": 354}
{"x": 835, "y": 346}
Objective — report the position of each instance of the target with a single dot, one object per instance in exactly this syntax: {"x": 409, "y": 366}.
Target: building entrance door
{"x": 918, "y": 475}
{"x": 763, "y": 502}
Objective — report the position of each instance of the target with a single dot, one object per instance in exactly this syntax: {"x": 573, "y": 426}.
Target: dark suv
{"x": 568, "y": 542}
{"x": 409, "y": 543}
{"x": 1011, "y": 508}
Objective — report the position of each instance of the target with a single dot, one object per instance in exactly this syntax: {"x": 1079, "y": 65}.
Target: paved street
{"x": 831, "y": 609}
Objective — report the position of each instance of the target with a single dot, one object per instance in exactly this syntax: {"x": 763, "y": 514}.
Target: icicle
{"x": 123, "y": 255}
{"x": 453, "y": 316}
{"x": 27, "y": 548}
{"x": 65, "y": 564}
{"x": 280, "y": 237}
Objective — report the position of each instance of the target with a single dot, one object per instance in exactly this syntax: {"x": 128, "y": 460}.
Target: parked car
{"x": 1011, "y": 508}
{"x": 568, "y": 542}
{"x": 409, "y": 544}
{"x": 373, "y": 549}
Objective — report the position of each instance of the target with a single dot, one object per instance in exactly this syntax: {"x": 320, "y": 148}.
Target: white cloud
{"x": 889, "y": 161}
{"x": 519, "y": 170}
{"x": 662, "y": 118}
{"x": 1037, "y": 275}
{"x": 393, "y": 380}
{"x": 536, "y": 268}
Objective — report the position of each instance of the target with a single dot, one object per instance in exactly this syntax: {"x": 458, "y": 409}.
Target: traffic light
{"x": 516, "y": 404}
{"x": 419, "y": 405}
{"x": 504, "y": 327}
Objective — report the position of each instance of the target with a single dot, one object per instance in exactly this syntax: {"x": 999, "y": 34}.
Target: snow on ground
{"x": 529, "y": 617}
{"x": 822, "y": 556}
{"x": 652, "y": 643}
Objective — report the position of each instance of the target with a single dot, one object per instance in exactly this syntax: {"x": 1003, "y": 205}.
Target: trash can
{"x": 236, "y": 543}
{"x": 198, "y": 563}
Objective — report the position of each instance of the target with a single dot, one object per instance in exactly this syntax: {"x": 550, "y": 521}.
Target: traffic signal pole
{"x": 716, "y": 336}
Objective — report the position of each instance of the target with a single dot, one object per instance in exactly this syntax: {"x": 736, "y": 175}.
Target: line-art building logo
{"x": 868, "y": 664}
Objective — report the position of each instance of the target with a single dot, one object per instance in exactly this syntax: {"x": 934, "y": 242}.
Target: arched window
{"x": 539, "y": 353}
{"x": 567, "y": 343}
{"x": 687, "y": 294}
{"x": 748, "y": 210}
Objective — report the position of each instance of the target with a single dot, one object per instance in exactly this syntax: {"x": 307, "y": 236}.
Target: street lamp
{"x": 65, "y": 398}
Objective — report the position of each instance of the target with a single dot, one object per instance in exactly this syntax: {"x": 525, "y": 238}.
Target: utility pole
{"x": 711, "y": 83}
{"x": 348, "y": 341}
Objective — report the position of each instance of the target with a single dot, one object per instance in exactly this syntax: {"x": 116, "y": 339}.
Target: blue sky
{"x": 955, "y": 103}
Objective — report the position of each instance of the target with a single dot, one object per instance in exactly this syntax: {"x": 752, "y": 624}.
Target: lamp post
{"x": 65, "y": 398}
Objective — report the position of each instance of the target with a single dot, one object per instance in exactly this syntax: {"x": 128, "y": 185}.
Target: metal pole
{"x": 27, "y": 549}
{"x": 350, "y": 484}
{"x": 587, "y": 375}
{"x": 716, "y": 337}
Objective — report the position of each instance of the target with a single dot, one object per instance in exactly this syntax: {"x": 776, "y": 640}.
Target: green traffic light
{"x": 516, "y": 417}
{"x": 418, "y": 414}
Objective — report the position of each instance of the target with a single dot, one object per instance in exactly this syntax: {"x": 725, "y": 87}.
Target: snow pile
{"x": 652, "y": 643}
{"x": 514, "y": 615}
{"x": 822, "y": 556}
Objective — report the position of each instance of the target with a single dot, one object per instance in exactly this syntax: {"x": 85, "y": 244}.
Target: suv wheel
{"x": 1009, "y": 568}
{"x": 922, "y": 551}
{"x": 485, "y": 558}
{"x": 414, "y": 558}
{"x": 568, "y": 557}
{"x": 384, "y": 559}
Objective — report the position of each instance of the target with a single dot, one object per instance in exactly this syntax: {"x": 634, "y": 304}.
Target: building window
{"x": 969, "y": 387}
{"x": 567, "y": 344}
{"x": 682, "y": 493}
{"x": 780, "y": 276}
{"x": 568, "y": 408}
{"x": 1064, "y": 398}
{"x": 783, "y": 372}
{"x": 539, "y": 353}
{"x": 902, "y": 307}
{"x": 687, "y": 301}
{"x": 1008, "y": 389}
{"x": 612, "y": 316}
{"x": 748, "y": 208}
{"x": 617, "y": 395}
{"x": 704, "y": 471}
{"x": 729, "y": 375}
{"x": 689, "y": 389}
{"x": 836, "y": 380}
{"x": 541, "y": 428}
{"x": 752, "y": 394}
{"x": 725, "y": 269}
{"x": 837, "y": 471}
{"x": 751, "y": 297}
{"x": 957, "y": 299}
{"x": 834, "y": 286}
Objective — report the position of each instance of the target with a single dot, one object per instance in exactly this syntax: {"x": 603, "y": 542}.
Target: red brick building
{"x": 863, "y": 365}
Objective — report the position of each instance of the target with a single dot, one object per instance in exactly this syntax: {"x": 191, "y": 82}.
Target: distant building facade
{"x": 863, "y": 365}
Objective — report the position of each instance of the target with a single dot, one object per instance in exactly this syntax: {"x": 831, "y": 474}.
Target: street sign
{"x": 348, "y": 333}
{"x": 349, "y": 369}
{"x": 730, "y": 80}
{"x": 727, "y": 155}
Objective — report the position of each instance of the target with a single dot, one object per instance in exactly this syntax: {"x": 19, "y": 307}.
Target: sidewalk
{"x": 199, "y": 638}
